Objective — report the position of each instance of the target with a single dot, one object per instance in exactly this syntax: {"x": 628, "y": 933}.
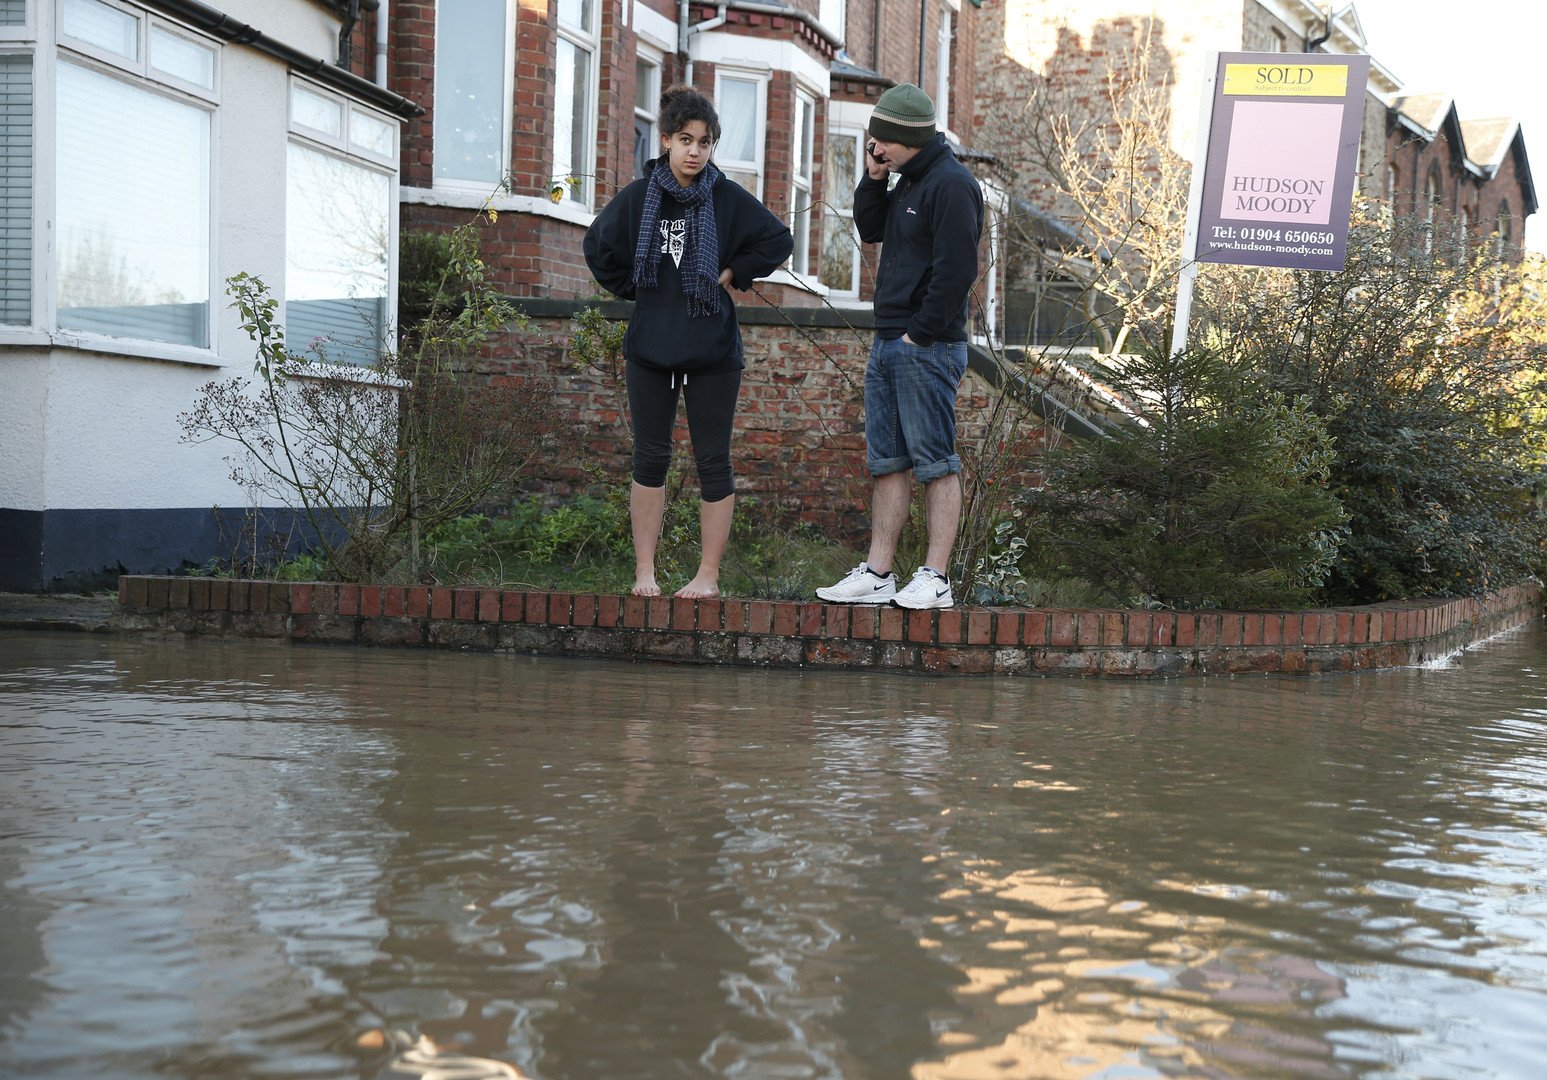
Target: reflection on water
{"x": 224, "y": 860}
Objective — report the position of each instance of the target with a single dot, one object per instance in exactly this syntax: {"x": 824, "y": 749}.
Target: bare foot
{"x": 700, "y": 588}
{"x": 646, "y": 586}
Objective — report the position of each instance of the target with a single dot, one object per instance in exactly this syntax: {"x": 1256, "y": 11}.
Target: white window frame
{"x": 141, "y": 66}
{"x": 655, "y": 61}
{"x": 587, "y": 40}
{"x": 45, "y": 276}
{"x": 27, "y": 29}
{"x": 802, "y": 177}
{"x": 755, "y": 165}
{"x": 507, "y": 92}
{"x": 834, "y": 15}
{"x": 343, "y": 146}
{"x": 847, "y": 217}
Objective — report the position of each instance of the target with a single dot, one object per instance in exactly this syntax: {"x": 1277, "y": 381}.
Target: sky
{"x": 1486, "y": 54}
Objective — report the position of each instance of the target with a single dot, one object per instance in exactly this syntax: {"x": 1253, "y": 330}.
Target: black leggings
{"x": 711, "y": 408}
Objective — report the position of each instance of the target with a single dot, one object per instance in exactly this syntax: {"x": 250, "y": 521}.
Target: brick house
{"x": 149, "y": 149}
{"x": 1413, "y": 150}
{"x": 545, "y": 111}
{"x": 1468, "y": 182}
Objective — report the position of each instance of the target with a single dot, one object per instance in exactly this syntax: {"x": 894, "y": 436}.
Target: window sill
{"x": 469, "y": 199}
{"x": 135, "y": 348}
{"x": 785, "y": 276}
{"x": 365, "y": 376}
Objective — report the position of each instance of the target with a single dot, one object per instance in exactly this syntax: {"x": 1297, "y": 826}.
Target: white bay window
{"x": 340, "y": 228}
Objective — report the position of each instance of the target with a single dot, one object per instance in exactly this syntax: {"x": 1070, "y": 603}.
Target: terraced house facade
{"x": 149, "y": 149}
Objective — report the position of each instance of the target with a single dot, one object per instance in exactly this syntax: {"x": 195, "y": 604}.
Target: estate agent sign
{"x": 1279, "y": 171}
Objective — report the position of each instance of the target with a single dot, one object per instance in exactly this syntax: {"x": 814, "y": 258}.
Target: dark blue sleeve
{"x": 872, "y": 200}
{"x": 763, "y": 241}
{"x": 609, "y": 245}
{"x": 956, "y": 222}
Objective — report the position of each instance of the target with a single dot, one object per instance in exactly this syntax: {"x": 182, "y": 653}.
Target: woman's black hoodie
{"x": 753, "y": 242}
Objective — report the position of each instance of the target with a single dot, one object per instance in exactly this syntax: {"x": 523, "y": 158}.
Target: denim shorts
{"x": 910, "y": 407}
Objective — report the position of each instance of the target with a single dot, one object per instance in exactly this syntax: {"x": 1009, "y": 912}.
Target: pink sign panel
{"x": 1283, "y": 148}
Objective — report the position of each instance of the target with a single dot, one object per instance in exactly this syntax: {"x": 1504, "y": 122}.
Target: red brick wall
{"x": 411, "y": 72}
{"x": 527, "y": 255}
{"x": 799, "y": 440}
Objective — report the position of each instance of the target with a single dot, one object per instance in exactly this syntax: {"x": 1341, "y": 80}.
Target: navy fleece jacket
{"x": 928, "y": 225}
{"x": 753, "y": 242}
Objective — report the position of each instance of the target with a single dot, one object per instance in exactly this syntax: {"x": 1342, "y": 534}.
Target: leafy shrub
{"x": 1218, "y": 499}
{"x": 375, "y": 458}
{"x": 1423, "y": 366}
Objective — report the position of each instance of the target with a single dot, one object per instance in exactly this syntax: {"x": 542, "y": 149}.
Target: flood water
{"x": 231, "y": 860}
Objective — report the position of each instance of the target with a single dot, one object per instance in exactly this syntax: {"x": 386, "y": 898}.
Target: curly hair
{"x": 681, "y": 105}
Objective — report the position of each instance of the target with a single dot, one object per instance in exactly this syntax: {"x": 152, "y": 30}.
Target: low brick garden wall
{"x": 960, "y": 641}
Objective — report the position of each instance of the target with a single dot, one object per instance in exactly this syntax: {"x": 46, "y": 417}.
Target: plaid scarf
{"x": 700, "y": 281}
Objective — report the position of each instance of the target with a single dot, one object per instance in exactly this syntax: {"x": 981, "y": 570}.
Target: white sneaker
{"x": 928, "y": 589}
{"x": 861, "y": 585}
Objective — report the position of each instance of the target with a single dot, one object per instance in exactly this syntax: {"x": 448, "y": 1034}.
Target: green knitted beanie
{"x": 904, "y": 115}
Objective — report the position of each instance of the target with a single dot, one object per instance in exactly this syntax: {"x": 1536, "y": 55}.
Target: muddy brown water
{"x": 224, "y": 860}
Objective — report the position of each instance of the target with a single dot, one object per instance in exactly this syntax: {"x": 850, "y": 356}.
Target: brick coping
{"x": 969, "y": 640}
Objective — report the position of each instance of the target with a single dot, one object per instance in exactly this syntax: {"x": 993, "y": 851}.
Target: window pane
{"x": 337, "y": 217}
{"x": 576, "y": 13}
{"x": 832, "y": 14}
{"x": 370, "y": 133}
{"x": 182, "y": 59}
{"x": 738, "y": 120}
{"x": 470, "y": 122}
{"x": 572, "y": 110}
{"x": 106, "y": 28}
{"x": 800, "y": 257}
{"x": 805, "y": 123}
{"x": 644, "y": 145}
{"x": 839, "y": 255}
{"x": 316, "y": 111}
{"x": 13, "y": 12}
{"x": 747, "y": 180}
{"x": 133, "y": 192}
{"x": 646, "y": 96}
{"x": 842, "y": 160}
{"x": 16, "y": 189}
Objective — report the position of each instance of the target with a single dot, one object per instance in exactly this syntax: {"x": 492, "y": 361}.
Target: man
{"x": 929, "y": 224}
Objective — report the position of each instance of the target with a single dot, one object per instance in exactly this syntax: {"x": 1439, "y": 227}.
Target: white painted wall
{"x": 23, "y": 413}
{"x": 94, "y": 429}
{"x": 302, "y": 25}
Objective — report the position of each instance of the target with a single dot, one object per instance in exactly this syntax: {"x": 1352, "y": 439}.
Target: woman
{"x": 672, "y": 242}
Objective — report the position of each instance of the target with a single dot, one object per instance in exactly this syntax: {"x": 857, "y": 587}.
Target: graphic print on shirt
{"x": 674, "y": 239}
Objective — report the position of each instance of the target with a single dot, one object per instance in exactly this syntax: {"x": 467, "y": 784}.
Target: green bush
{"x": 1425, "y": 379}
{"x": 1218, "y": 499}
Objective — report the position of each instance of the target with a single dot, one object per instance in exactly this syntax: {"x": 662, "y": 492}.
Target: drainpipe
{"x": 875, "y": 38}
{"x": 383, "y": 17}
{"x": 923, "y": 25}
{"x": 351, "y": 17}
{"x": 1326, "y": 35}
{"x": 685, "y": 30}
